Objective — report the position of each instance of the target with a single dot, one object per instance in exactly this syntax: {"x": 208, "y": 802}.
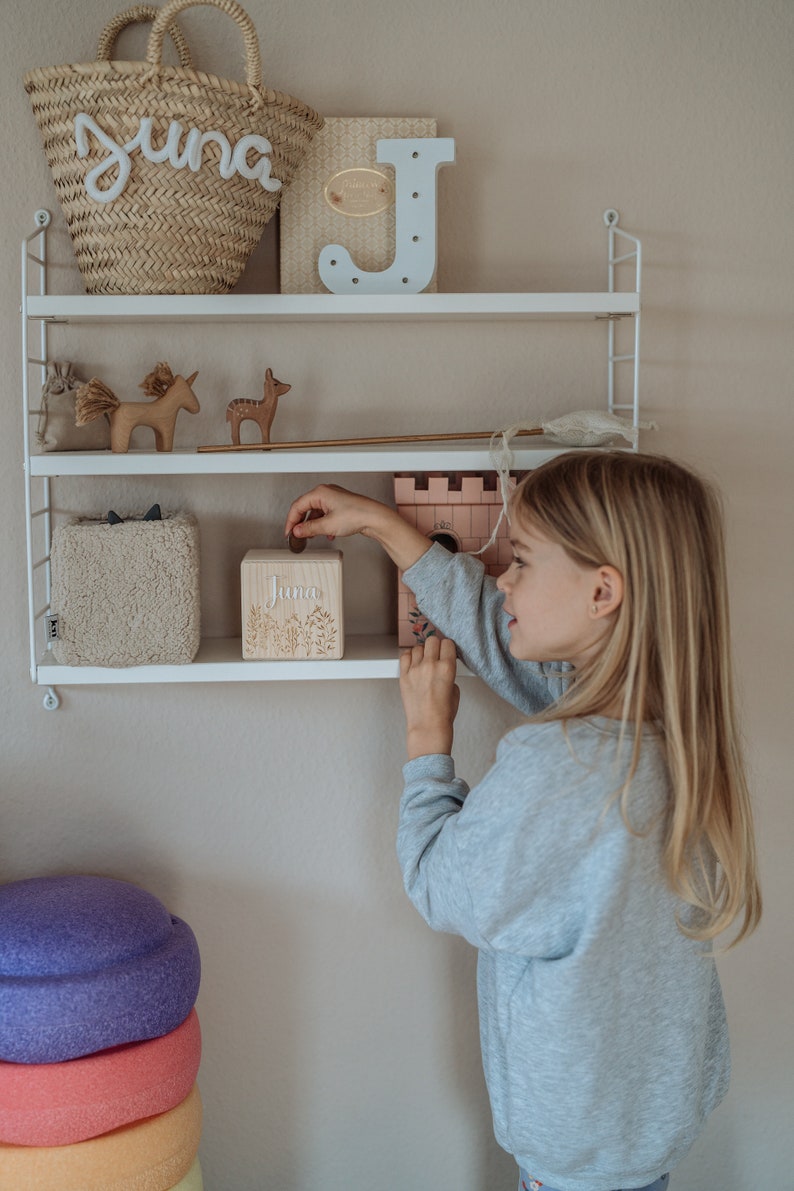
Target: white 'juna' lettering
{"x": 233, "y": 160}
{"x": 289, "y": 593}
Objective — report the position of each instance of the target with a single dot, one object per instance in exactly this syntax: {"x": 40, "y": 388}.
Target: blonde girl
{"x": 611, "y": 842}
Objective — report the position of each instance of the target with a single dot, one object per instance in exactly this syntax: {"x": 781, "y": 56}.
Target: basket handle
{"x": 253, "y": 61}
{"x": 140, "y": 14}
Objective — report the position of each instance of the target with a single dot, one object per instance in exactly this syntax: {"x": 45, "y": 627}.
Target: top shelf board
{"x": 83, "y": 308}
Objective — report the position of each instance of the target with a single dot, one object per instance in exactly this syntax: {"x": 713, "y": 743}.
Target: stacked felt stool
{"x": 99, "y": 1039}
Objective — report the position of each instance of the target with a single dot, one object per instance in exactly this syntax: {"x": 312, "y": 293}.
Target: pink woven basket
{"x": 166, "y": 175}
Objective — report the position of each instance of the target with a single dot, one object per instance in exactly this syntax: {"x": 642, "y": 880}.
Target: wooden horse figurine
{"x": 262, "y": 412}
{"x": 171, "y": 394}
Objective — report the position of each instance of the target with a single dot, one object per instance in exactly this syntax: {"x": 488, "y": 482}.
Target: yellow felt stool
{"x": 192, "y": 1181}
{"x": 151, "y": 1155}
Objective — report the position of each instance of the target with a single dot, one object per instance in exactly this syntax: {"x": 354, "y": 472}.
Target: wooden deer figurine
{"x": 171, "y": 394}
{"x": 262, "y": 412}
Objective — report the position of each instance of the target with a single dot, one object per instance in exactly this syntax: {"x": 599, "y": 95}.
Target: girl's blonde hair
{"x": 667, "y": 658}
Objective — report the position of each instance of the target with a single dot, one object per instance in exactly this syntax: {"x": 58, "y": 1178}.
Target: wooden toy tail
{"x": 92, "y": 400}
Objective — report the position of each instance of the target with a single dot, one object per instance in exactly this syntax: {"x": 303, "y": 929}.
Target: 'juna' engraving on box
{"x": 278, "y": 591}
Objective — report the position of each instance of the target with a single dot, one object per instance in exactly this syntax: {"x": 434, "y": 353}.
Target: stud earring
{"x": 594, "y": 609}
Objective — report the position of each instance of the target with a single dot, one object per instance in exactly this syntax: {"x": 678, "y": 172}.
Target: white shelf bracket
{"x": 617, "y": 258}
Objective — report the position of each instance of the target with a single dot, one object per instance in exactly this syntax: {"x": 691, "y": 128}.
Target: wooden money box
{"x": 292, "y": 604}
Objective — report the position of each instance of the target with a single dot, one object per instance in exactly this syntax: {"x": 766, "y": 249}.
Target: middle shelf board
{"x": 220, "y": 660}
{"x": 410, "y": 457}
{"x": 81, "y": 308}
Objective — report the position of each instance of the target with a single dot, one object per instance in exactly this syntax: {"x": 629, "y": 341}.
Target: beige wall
{"x": 340, "y": 1034}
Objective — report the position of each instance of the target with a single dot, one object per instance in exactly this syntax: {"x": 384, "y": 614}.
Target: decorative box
{"x": 343, "y": 195}
{"x": 126, "y": 594}
{"x": 459, "y": 511}
{"x": 292, "y": 604}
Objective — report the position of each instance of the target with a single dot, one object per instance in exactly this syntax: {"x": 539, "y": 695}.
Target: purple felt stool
{"x": 87, "y": 963}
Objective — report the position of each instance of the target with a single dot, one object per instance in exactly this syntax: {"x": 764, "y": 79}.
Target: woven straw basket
{"x": 186, "y": 223}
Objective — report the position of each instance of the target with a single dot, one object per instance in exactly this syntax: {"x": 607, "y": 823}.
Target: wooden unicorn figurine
{"x": 262, "y": 412}
{"x": 171, "y": 394}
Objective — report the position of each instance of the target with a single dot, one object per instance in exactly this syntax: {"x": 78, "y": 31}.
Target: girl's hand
{"x": 335, "y": 512}
{"x": 430, "y": 696}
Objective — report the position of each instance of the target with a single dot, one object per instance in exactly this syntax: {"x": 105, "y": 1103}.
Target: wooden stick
{"x": 359, "y": 442}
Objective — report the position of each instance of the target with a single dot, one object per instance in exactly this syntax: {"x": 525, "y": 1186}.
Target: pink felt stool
{"x": 151, "y": 1155}
{"x": 58, "y": 1104}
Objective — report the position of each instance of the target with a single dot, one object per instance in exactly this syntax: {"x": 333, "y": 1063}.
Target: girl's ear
{"x": 607, "y": 592}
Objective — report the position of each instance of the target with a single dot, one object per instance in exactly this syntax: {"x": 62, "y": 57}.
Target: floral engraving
{"x": 312, "y": 636}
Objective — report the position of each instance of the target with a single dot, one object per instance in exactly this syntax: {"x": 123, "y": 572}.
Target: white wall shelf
{"x": 446, "y": 456}
{"x": 220, "y": 660}
{"x": 242, "y": 308}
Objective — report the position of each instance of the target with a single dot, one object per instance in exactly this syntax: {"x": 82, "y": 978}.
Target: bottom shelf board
{"x": 220, "y": 660}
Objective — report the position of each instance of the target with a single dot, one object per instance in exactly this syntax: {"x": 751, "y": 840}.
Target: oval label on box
{"x": 359, "y": 192}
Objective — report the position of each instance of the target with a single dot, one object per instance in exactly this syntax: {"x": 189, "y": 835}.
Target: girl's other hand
{"x": 430, "y": 696}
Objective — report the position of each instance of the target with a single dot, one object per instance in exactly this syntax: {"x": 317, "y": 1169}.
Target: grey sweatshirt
{"x": 602, "y": 1026}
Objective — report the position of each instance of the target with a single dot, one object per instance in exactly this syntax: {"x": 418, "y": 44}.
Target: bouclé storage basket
{"x": 166, "y": 175}
{"x": 292, "y": 606}
{"x": 126, "y": 594}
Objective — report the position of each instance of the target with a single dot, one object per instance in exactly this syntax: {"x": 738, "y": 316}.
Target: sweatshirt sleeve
{"x": 454, "y": 591}
{"x": 502, "y": 864}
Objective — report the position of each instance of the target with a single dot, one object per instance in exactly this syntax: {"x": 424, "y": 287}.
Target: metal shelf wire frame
{"x": 632, "y": 357}
{"x": 34, "y": 261}
{"x": 35, "y": 356}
